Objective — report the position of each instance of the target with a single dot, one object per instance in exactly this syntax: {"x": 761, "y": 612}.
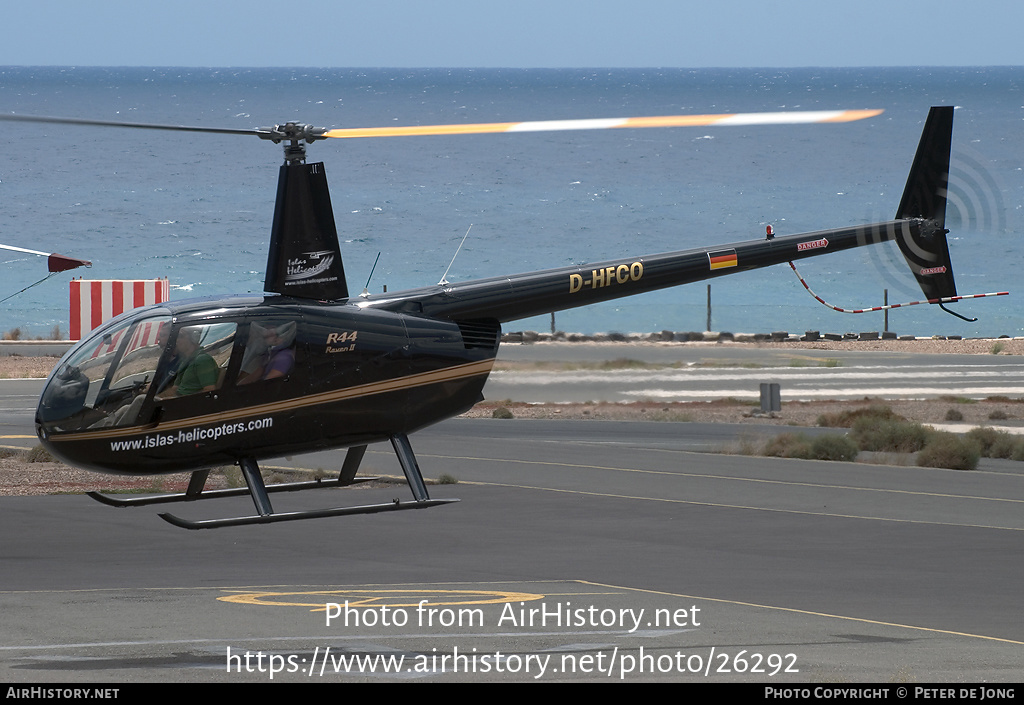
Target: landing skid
{"x": 119, "y": 501}
{"x": 273, "y": 518}
{"x": 260, "y": 493}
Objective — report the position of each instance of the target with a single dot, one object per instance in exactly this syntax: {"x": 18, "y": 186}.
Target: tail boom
{"x": 536, "y": 293}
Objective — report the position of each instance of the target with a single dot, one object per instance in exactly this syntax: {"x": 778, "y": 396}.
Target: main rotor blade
{"x": 55, "y": 262}
{"x": 296, "y": 131}
{"x": 139, "y": 125}
{"x": 732, "y": 119}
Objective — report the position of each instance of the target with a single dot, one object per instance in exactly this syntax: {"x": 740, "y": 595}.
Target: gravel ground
{"x": 19, "y": 476}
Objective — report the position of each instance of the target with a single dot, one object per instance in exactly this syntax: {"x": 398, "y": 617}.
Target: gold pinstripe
{"x": 464, "y": 371}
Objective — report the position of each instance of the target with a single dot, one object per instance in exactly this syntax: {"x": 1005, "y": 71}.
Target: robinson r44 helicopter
{"x": 195, "y": 384}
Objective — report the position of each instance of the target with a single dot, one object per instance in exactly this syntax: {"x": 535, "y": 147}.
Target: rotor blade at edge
{"x": 62, "y": 263}
{"x": 48, "y": 120}
{"x": 54, "y": 261}
{"x": 728, "y": 119}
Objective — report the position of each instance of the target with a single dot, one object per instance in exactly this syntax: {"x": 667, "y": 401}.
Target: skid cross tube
{"x": 197, "y": 483}
{"x": 265, "y": 513}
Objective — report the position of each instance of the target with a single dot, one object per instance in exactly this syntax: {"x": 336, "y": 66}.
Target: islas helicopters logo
{"x": 302, "y": 270}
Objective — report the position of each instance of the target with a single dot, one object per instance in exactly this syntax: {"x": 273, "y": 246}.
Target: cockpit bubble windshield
{"x": 106, "y": 378}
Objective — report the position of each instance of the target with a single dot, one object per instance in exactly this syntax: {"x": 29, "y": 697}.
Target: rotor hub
{"x": 297, "y": 135}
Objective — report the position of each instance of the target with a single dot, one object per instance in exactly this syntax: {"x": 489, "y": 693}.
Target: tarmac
{"x": 579, "y": 551}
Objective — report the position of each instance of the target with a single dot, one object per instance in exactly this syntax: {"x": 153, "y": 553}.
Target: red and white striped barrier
{"x": 145, "y": 335}
{"x": 95, "y": 301}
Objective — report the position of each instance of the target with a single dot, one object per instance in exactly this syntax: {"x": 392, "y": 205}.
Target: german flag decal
{"x": 722, "y": 259}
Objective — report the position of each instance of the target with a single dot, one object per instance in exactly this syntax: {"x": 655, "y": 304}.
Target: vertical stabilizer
{"x": 924, "y": 199}
{"x": 305, "y": 258}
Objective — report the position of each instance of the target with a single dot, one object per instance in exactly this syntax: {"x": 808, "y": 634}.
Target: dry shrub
{"x": 996, "y": 444}
{"x": 833, "y": 446}
{"x": 986, "y": 438}
{"x": 889, "y": 435}
{"x": 38, "y": 454}
{"x": 846, "y": 419}
{"x": 788, "y": 445}
{"x": 947, "y": 450}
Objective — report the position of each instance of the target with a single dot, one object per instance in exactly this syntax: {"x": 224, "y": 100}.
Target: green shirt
{"x": 199, "y": 372}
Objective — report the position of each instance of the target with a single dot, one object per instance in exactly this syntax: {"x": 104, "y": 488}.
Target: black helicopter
{"x": 191, "y": 385}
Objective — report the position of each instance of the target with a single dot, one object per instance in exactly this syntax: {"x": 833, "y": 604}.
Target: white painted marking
{"x": 803, "y": 394}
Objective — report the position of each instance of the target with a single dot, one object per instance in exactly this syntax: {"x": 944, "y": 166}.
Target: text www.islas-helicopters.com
{"x": 159, "y": 440}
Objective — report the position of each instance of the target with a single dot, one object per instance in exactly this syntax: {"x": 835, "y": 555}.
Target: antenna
{"x": 444, "y": 279}
{"x": 366, "y": 289}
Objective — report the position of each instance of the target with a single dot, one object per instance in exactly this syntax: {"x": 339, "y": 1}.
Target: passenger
{"x": 270, "y": 353}
{"x": 281, "y": 354}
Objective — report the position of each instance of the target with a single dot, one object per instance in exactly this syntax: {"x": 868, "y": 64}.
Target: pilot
{"x": 171, "y": 370}
{"x": 198, "y": 370}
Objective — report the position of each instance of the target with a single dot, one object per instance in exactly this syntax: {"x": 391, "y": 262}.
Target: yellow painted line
{"x": 812, "y": 613}
{"x": 604, "y": 586}
{"x": 378, "y": 597}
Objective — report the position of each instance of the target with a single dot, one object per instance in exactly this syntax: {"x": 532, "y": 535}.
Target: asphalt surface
{"x": 748, "y": 569}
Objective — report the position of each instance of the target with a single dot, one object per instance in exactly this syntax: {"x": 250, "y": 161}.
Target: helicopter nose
{"x": 63, "y": 397}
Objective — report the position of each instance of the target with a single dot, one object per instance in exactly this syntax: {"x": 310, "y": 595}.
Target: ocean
{"x": 197, "y": 208}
